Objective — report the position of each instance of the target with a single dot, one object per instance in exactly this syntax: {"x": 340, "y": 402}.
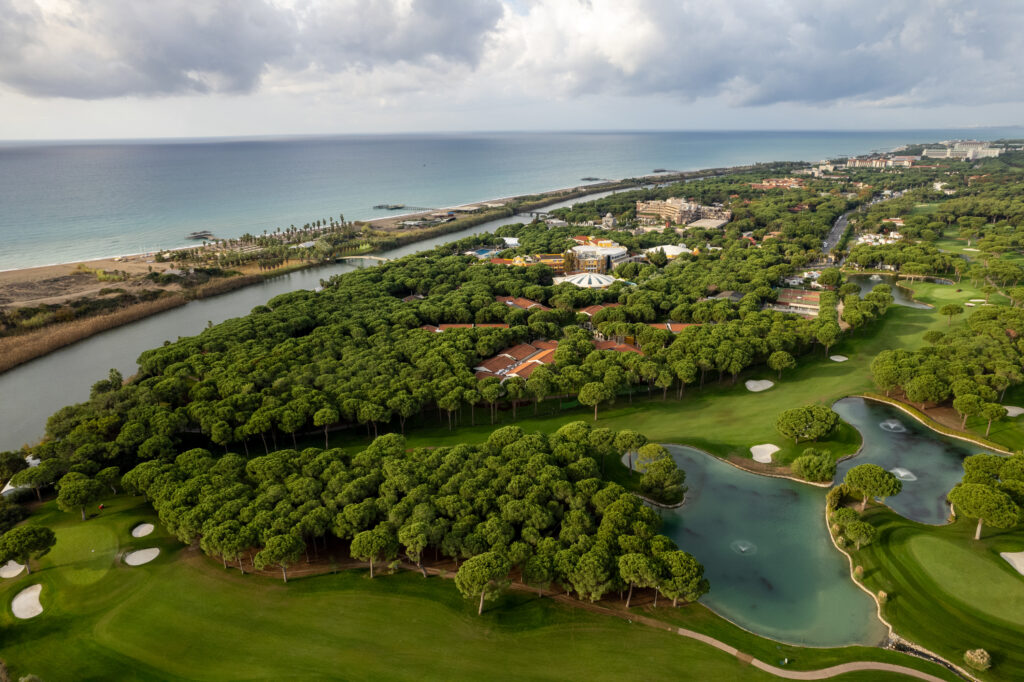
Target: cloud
{"x": 746, "y": 53}
{"x": 759, "y": 53}
{"x": 95, "y": 49}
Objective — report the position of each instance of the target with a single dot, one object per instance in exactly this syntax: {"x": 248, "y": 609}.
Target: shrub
{"x": 859, "y": 571}
{"x": 883, "y": 596}
{"x": 979, "y": 659}
{"x": 815, "y": 466}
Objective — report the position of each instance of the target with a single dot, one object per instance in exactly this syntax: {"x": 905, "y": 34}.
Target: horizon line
{"x": 439, "y": 133}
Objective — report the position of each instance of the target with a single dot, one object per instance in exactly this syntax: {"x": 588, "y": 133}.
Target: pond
{"x": 766, "y": 552}
{"x": 928, "y": 463}
{"x": 901, "y": 295}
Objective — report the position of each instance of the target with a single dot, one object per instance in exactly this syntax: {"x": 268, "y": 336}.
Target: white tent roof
{"x": 590, "y": 280}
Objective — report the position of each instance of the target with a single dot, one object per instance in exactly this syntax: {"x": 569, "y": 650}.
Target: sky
{"x": 79, "y": 69}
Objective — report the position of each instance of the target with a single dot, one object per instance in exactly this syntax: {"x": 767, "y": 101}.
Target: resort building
{"x": 671, "y": 251}
{"x": 707, "y": 223}
{"x": 609, "y": 222}
{"x": 520, "y": 360}
{"x": 797, "y": 301}
{"x": 588, "y": 280}
{"x": 778, "y": 183}
{"x": 598, "y": 255}
{"x": 592, "y": 310}
{"x": 679, "y": 211}
{"x": 520, "y": 302}
{"x": 963, "y": 149}
{"x": 445, "y": 327}
{"x": 674, "y": 327}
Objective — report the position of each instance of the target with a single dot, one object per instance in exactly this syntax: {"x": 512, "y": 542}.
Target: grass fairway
{"x": 947, "y": 591}
{"x": 182, "y": 617}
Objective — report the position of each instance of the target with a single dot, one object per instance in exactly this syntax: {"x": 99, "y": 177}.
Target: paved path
{"x": 822, "y": 674}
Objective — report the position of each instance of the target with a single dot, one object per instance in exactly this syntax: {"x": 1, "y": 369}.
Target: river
{"x": 32, "y": 392}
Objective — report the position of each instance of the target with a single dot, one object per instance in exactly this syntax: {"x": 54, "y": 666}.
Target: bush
{"x": 883, "y": 596}
{"x": 815, "y": 466}
{"x": 835, "y": 496}
{"x": 979, "y": 659}
{"x": 810, "y": 422}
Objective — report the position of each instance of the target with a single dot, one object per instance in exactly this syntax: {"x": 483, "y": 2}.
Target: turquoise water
{"x": 900, "y": 295}
{"x": 65, "y": 202}
{"x": 929, "y": 463}
{"x": 766, "y": 552}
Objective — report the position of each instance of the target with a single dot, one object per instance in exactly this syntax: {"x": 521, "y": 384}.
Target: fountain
{"x": 893, "y": 426}
{"x": 743, "y": 547}
{"x": 875, "y": 278}
{"x": 903, "y": 474}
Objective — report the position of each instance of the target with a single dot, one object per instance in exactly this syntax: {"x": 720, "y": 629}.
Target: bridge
{"x": 381, "y": 259}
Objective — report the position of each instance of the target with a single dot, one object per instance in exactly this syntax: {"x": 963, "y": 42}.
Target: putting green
{"x": 970, "y": 577}
{"x": 86, "y": 552}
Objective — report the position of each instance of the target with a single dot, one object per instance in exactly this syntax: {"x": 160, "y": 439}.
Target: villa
{"x": 521, "y": 303}
{"x": 679, "y": 211}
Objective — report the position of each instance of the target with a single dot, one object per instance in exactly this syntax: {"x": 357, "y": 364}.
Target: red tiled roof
{"x": 445, "y": 327}
{"x": 430, "y": 328}
{"x": 545, "y": 345}
{"x": 617, "y": 347}
{"x": 520, "y": 302}
{"x": 524, "y": 370}
{"x": 492, "y": 325}
{"x": 496, "y": 364}
{"x": 520, "y": 351}
{"x": 593, "y": 309}
{"x": 674, "y": 327}
{"x": 483, "y": 375}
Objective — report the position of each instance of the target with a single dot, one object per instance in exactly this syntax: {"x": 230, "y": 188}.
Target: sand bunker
{"x": 26, "y": 603}
{"x": 758, "y": 386}
{"x": 969, "y": 305}
{"x": 11, "y": 569}
{"x": 142, "y": 530}
{"x": 142, "y": 556}
{"x": 968, "y": 248}
{"x": 977, "y": 300}
{"x": 1012, "y": 411}
{"x": 838, "y": 358}
{"x": 763, "y": 453}
{"x": 1015, "y": 559}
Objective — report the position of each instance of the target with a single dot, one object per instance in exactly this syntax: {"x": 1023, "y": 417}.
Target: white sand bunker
{"x": 1015, "y": 559}
{"x": 11, "y": 569}
{"x": 758, "y": 386}
{"x": 969, "y": 305}
{"x": 142, "y": 530}
{"x": 977, "y": 300}
{"x": 142, "y": 556}
{"x": 968, "y": 248}
{"x": 838, "y": 358}
{"x": 763, "y": 453}
{"x": 1012, "y": 411}
{"x": 26, "y": 603}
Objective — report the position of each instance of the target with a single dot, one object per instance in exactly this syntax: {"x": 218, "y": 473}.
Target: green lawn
{"x": 184, "y": 617}
{"x": 947, "y": 591}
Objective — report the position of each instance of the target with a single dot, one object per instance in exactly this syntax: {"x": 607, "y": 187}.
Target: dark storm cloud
{"x": 113, "y": 48}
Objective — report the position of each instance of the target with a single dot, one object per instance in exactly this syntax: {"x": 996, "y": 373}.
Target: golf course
{"x": 184, "y": 617}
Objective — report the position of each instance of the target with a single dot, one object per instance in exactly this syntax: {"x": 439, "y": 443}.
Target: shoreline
{"x": 50, "y": 338}
{"x": 383, "y": 221}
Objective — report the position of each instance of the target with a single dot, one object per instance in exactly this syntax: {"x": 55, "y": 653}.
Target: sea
{"x": 70, "y": 201}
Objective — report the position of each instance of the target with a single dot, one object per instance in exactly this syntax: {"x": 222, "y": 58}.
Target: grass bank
{"x": 946, "y": 591}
